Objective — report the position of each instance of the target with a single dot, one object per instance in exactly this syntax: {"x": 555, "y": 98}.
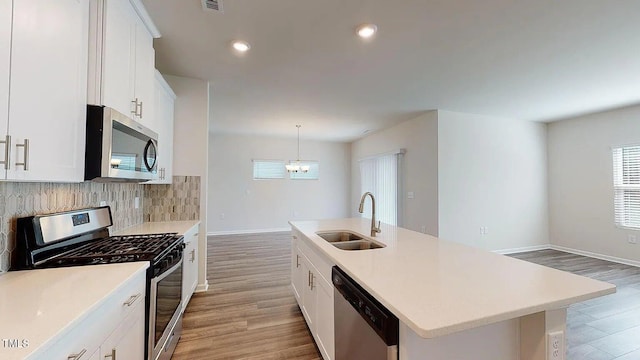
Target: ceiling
{"x": 538, "y": 60}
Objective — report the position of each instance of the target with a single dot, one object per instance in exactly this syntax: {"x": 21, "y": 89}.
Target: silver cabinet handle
{"x": 131, "y": 300}
{"x": 193, "y": 255}
{"x": 111, "y": 356}
{"x": 7, "y": 152}
{"x": 312, "y": 285}
{"x": 309, "y": 279}
{"x": 297, "y": 261}
{"x": 135, "y": 106}
{"x": 140, "y": 115}
{"x": 25, "y": 149}
{"x": 77, "y": 356}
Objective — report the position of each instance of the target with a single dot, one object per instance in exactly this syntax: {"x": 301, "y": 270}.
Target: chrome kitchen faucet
{"x": 374, "y": 229}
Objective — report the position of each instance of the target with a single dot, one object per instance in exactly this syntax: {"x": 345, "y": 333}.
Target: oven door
{"x": 165, "y": 312}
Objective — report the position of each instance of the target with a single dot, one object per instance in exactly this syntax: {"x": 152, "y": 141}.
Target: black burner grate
{"x": 116, "y": 249}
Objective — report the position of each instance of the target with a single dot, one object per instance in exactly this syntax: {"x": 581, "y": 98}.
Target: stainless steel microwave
{"x": 118, "y": 148}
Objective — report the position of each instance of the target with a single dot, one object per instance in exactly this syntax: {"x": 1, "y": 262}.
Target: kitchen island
{"x": 446, "y": 294}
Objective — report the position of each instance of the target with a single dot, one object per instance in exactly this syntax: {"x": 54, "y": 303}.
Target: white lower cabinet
{"x": 310, "y": 280}
{"x": 190, "y": 265}
{"x": 113, "y": 331}
{"x": 124, "y": 342}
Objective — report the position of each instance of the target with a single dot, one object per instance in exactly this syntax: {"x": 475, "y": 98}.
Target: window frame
{"x": 626, "y": 183}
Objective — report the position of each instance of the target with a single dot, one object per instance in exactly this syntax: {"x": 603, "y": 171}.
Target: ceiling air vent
{"x": 212, "y": 5}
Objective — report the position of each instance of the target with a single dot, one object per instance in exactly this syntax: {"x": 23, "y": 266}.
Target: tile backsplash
{"x": 25, "y": 199}
{"x": 178, "y": 201}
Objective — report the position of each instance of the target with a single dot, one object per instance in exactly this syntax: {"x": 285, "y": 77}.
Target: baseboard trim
{"x": 523, "y": 249}
{"x": 597, "y": 256}
{"x": 203, "y": 287}
{"x": 241, "y": 232}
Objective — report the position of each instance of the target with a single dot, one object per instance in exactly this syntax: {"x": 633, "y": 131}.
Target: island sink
{"x": 346, "y": 240}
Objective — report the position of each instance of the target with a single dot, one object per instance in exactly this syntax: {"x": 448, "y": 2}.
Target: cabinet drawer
{"x": 320, "y": 262}
{"x": 95, "y": 328}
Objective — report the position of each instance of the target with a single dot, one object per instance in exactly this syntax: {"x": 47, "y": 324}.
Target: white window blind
{"x": 380, "y": 175}
{"x": 312, "y": 174}
{"x": 268, "y": 169}
{"x": 626, "y": 185}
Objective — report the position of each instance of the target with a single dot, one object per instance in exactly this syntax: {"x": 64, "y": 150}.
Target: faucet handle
{"x": 378, "y": 228}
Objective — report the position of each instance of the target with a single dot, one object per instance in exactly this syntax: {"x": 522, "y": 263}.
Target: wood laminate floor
{"x": 603, "y": 328}
{"x": 250, "y": 312}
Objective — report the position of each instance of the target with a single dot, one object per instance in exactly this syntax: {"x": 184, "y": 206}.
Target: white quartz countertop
{"x": 159, "y": 227}
{"x": 41, "y": 305}
{"x": 439, "y": 287}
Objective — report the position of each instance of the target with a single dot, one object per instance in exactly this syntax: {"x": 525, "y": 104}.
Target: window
{"x": 268, "y": 169}
{"x": 380, "y": 175}
{"x": 626, "y": 185}
{"x": 312, "y": 174}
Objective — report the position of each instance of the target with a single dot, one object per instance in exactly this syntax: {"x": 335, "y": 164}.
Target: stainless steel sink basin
{"x": 357, "y": 245}
{"x": 347, "y": 240}
{"x": 339, "y": 236}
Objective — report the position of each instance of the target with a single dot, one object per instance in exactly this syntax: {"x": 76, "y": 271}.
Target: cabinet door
{"x": 297, "y": 273}
{"x": 6, "y": 9}
{"x": 163, "y": 123}
{"x": 48, "y": 89}
{"x": 309, "y": 294}
{"x": 144, "y": 73}
{"x": 324, "y": 317}
{"x": 127, "y": 341}
{"x": 190, "y": 271}
{"x": 190, "y": 265}
{"x": 118, "y": 57}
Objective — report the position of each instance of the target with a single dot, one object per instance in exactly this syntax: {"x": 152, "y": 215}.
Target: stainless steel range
{"x": 81, "y": 237}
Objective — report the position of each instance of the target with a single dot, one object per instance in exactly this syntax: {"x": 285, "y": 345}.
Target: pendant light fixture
{"x": 297, "y": 166}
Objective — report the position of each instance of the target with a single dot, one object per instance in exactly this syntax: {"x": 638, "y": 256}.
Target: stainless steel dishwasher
{"x": 364, "y": 329}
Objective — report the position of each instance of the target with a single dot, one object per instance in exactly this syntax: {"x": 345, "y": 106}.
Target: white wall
{"x": 190, "y": 144}
{"x": 419, "y": 137}
{"x": 492, "y": 173}
{"x": 253, "y": 205}
{"x": 581, "y": 182}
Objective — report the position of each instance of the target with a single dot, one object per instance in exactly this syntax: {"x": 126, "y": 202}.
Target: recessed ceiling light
{"x": 366, "y": 31}
{"x": 241, "y": 46}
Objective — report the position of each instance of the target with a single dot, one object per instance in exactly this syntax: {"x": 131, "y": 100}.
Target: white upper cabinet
{"x": 144, "y": 75}
{"x": 122, "y": 59}
{"x": 163, "y": 125}
{"x": 48, "y": 92}
{"x": 118, "y": 59}
{"x": 5, "y": 56}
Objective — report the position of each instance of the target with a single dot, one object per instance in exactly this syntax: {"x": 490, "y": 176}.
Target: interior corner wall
{"x": 239, "y": 204}
{"x": 190, "y": 144}
{"x": 581, "y": 182}
{"x": 419, "y": 136}
{"x": 492, "y": 173}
